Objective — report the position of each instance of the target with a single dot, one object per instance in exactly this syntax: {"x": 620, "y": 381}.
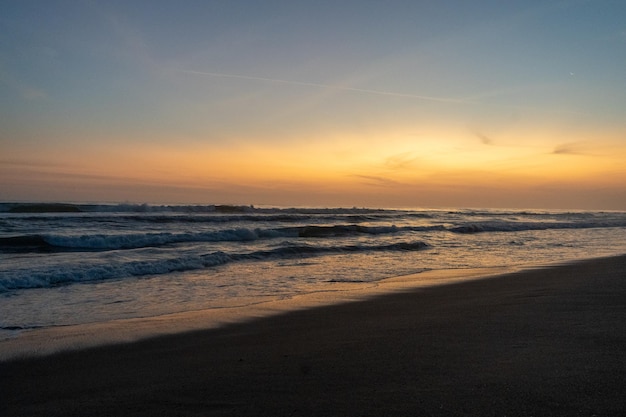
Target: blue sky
{"x": 403, "y": 103}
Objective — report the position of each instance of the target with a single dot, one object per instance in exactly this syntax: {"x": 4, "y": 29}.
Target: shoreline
{"x": 541, "y": 341}
{"x": 55, "y": 339}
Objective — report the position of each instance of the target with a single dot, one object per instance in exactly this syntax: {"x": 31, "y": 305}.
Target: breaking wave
{"x": 49, "y": 276}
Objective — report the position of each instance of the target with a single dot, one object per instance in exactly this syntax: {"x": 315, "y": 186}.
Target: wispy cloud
{"x": 29, "y": 93}
{"x": 27, "y": 163}
{"x": 572, "y": 148}
{"x": 25, "y": 91}
{"x": 486, "y": 140}
{"x": 377, "y": 181}
{"x": 400, "y": 161}
{"x": 328, "y": 86}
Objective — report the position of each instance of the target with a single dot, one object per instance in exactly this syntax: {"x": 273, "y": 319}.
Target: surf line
{"x": 328, "y": 86}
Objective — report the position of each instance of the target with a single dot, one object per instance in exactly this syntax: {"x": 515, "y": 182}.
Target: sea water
{"x": 86, "y": 263}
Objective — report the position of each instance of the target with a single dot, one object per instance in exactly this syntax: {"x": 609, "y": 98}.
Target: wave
{"x": 104, "y": 242}
{"x": 504, "y": 226}
{"x": 44, "y": 277}
{"x": 339, "y": 230}
{"x": 190, "y": 209}
{"x": 25, "y": 243}
{"x": 528, "y": 213}
{"x": 251, "y": 213}
{"x": 99, "y": 242}
{"x": 209, "y": 218}
{"x": 295, "y": 250}
{"x": 49, "y": 277}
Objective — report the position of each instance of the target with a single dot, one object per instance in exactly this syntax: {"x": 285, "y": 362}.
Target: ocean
{"x": 67, "y": 264}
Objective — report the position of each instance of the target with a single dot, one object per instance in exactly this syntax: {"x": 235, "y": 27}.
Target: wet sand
{"x": 542, "y": 342}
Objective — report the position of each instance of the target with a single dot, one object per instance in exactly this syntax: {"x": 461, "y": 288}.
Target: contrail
{"x": 330, "y": 86}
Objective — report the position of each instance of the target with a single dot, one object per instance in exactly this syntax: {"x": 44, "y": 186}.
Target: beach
{"x": 312, "y": 209}
{"x": 546, "y": 341}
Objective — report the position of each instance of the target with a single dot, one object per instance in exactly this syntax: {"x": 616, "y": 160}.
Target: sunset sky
{"x": 315, "y": 103}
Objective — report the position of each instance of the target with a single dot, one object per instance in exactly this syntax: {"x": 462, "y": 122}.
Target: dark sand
{"x": 546, "y": 342}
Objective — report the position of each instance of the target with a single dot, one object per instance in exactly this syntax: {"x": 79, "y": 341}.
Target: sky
{"x": 511, "y": 104}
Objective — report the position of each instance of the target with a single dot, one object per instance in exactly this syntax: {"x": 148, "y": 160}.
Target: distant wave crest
{"x": 100, "y": 242}
{"x": 507, "y": 226}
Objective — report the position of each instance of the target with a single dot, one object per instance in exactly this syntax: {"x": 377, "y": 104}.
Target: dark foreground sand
{"x": 548, "y": 342}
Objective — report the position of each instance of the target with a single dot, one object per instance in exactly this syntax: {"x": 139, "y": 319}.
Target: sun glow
{"x": 396, "y": 159}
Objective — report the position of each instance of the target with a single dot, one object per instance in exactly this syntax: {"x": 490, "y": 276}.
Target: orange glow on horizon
{"x": 403, "y": 158}
{"x": 378, "y": 166}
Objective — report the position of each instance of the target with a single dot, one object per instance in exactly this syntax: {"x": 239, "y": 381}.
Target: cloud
{"x": 29, "y": 93}
{"x": 572, "y": 148}
{"x": 400, "y": 161}
{"x": 25, "y": 91}
{"x": 327, "y": 86}
{"x": 484, "y": 139}
{"x": 377, "y": 181}
{"x": 27, "y": 163}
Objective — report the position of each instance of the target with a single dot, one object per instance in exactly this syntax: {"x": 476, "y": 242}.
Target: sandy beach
{"x": 542, "y": 342}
